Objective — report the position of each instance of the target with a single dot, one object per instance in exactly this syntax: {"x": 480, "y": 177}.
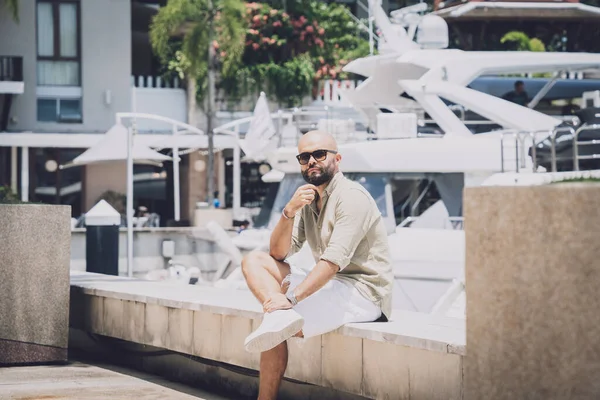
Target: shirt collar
{"x": 333, "y": 182}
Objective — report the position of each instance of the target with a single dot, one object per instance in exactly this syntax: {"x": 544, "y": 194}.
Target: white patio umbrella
{"x": 119, "y": 144}
{"x": 113, "y": 147}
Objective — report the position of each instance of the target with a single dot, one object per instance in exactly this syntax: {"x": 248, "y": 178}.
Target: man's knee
{"x": 255, "y": 259}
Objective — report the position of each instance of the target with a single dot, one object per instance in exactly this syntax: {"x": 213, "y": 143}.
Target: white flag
{"x": 261, "y": 130}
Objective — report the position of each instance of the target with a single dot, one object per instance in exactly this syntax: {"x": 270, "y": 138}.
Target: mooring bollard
{"x": 102, "y": 239}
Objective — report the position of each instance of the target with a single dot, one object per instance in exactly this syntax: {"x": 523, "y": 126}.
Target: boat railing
{"x": 519, "y": 140}
{"x": 555, "y": 132}
{"x": 577, "y": 143}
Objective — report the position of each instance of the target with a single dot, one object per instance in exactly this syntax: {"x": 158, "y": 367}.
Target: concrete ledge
{"x": 415, "y": 355}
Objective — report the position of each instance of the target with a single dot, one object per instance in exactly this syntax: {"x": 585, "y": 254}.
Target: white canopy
{"x": 113, "y": 147}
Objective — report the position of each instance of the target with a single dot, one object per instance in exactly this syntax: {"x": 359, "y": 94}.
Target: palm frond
{"x": 232, "y": 33}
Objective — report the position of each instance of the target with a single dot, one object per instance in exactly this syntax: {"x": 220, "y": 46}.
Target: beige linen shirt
{"x": 349, "y": 232}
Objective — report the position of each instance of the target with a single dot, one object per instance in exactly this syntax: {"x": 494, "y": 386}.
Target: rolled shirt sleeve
{"x": 298, "y": 235}
{"x": 354, "y": 217}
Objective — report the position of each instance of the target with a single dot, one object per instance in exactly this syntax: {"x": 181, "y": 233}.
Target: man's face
{"x": 321, "y": 165}
{"x": 519, "y": 88}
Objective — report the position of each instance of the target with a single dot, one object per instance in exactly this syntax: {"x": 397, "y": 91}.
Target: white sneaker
{"x": 275, "y": 328}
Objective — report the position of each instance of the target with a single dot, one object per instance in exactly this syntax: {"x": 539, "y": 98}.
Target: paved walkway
{"x": 86, "y": 382}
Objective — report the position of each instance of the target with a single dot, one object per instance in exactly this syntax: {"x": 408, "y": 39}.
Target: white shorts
{"x": 335, "y": 304}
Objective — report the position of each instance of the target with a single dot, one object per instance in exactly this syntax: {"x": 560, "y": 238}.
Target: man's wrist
{"x": 291, "y": 297}
{"x": 287, "y": 214}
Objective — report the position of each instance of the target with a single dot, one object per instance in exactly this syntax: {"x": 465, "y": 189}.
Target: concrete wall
{"x": 34, "y": 289}
{"x": 105, "y": 65}
{"x": 147, "y": 250}
{"x": 532, "y": 284}
{"x": 415, "y": 356}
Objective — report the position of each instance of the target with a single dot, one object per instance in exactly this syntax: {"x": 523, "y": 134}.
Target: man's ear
{"x": 338, "y": 158}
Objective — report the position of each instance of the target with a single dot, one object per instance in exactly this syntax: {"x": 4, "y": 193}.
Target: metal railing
{"x": 11, "y": 68}
{"x": 520, "y": 148}
{"x": 555, "y": 132}
{"x": 577, "y": 143}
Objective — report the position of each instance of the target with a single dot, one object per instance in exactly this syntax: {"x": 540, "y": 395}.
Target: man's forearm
{"x": 281, "y": 238}
{"x": 316, "y": 279}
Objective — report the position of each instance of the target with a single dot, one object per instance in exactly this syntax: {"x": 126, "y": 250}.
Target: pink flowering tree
{"x": 287, "y": 52}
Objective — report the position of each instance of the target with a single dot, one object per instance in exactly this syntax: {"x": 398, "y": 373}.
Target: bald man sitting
{"x": 352, "y": 279}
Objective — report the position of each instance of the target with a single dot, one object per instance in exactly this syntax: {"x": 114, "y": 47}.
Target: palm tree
{"x": 13, "y": 7}
{"x": 185, "y": 34}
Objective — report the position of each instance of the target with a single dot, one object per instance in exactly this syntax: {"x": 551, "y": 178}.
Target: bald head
{"x": 315, "y": 140}
{"x": 318, "y": 157}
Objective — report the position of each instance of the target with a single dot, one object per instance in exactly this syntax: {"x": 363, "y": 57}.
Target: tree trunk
{"x": 210, "y": 106}
{"x": 191, "y": 95}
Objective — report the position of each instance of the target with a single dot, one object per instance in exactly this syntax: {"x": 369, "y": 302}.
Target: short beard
{"x": 325, "y": 175}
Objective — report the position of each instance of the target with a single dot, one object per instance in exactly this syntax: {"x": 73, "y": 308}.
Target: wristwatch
{"x": 291, "y": 297}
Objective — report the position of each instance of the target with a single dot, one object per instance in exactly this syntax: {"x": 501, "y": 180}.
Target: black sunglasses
{"x": 318, "y": 155}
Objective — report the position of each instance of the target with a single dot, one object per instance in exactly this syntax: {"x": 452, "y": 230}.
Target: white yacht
{"x": 417, "y": 179}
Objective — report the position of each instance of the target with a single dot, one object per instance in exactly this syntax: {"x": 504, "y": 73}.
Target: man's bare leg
{"x": 264, "y": 274}
{"x": 272, "y": 367}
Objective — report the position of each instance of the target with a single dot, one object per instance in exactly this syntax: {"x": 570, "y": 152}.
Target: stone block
{"x": 207, "y": 335}
{"x": 181, "y": 330}
{"x": 304, "y": 359}
{"x": 385, "y": 371}
{"x": 398, "y": 372}
{"x": 233, "y": 333}
{"x": 434, "y": 375}
{"x": 94, "y": 314}
{"x": 156, "y": 322}
{"x": 113, "y": 318}
{"x": 532, "y": 284}
{"x": 134, "y": 314}
{"x": 342, "y": 363}
{"x": 34, "y": 289}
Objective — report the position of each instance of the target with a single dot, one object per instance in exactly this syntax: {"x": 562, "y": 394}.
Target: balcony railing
{"x": 11, "y": 69}
{"x": 156, "y": 82}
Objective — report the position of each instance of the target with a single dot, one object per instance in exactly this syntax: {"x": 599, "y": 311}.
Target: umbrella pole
{"x": 237, "y": 175}
{"x": 129, "y": 203}
{"x": 176, "y": 190}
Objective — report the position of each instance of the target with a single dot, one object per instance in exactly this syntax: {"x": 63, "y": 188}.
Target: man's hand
{"x": 277, "y": 301}
{"x": 304, "y": 195}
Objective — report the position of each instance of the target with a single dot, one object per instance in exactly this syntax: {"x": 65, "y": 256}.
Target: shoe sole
{"x": 270, "y": 339}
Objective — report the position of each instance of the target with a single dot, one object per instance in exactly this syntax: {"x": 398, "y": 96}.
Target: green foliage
{"x": 259, "y": 46}
{"x": 179, "y": 34}
{"x": 288, "y": 51}
{"x": 580, "y": 179}
{"x": 8, "y": 197}
{"x": 521, "y": 42}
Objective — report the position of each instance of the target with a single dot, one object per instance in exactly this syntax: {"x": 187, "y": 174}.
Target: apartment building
{"x": 66, "y": 68}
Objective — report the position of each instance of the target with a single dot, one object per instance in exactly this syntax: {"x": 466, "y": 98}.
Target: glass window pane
{"x": 70, "y": 110}
{"x": 64, "y": 73}
{"x": 45, "y": 30}
{"x": 46, "y": 110}
{"x": 68, "y": 30}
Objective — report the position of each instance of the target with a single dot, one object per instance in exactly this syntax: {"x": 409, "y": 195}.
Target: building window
{"x": 59, "y": 110}
{"x": 58, "y": 59}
